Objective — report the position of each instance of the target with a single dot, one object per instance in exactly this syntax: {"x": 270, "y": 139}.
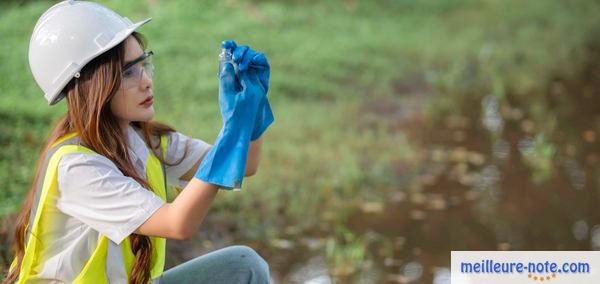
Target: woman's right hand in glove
{"x": 250, "y": 60}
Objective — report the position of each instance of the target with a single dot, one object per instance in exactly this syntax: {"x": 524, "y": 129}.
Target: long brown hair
{"x": 90, "y": 116}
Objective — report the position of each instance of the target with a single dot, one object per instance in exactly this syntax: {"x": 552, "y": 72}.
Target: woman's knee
{"x": 252, "y": 261}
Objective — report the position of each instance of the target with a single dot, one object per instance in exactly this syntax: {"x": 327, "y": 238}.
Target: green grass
{"x": 327, "y": 58}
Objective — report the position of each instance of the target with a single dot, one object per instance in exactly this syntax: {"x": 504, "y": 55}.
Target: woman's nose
{"x": 146, "y": 80}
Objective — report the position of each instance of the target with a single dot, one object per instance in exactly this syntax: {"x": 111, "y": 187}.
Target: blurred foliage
{"x": 539, "y": 157}
{"x": 346, "y": 256}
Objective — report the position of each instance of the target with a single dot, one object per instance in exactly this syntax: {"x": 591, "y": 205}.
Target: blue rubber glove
{"x": 248, "y": 59}
{"x": 264, "y": 118}
{"x": 239, "y": 99}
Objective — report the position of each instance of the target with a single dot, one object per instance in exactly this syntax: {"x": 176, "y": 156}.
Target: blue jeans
{"x": 233, "y": 264}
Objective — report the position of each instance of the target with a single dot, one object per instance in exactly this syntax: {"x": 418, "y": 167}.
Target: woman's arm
{"x": 251, "y": 164}
{"x": 181, "y": 218}
{"x": 253, "y": 157}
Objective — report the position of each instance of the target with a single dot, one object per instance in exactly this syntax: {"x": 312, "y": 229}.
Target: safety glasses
{"x": 132, "y": 71}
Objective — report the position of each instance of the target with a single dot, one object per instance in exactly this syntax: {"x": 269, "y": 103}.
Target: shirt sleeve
{"x": 93, "y": 190}
{"x": 176, "y": 148}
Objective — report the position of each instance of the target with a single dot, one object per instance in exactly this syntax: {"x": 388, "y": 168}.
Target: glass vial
{"x": 226, "y": 56}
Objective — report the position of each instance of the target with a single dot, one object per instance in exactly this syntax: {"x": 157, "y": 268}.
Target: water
{"x": 533, "y": 188}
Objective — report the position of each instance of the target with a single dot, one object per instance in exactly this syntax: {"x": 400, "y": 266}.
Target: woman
{"x": 97, "y": 209}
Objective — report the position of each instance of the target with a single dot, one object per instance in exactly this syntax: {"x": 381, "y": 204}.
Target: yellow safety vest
{"x": 94, "y": 271}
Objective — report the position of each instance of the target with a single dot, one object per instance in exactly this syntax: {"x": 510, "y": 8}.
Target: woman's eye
{"x": 128, "y": 72}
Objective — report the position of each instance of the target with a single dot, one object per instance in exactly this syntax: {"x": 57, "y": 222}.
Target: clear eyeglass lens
{"x": 133, "y": 75}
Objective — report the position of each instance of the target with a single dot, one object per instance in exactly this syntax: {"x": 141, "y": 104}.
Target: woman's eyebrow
{"x": 134, "y": 61}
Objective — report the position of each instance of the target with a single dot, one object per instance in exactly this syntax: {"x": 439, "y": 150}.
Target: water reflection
{"x": 526, "y": 145}
{"x": 412, "y": 271}
{"x": 508, "y": 181}
{"x": 580, "y": 230}
{"x": 596, "y": 237}
{"x": 492, "y": 120}
{"x": 441, "y": 276}
{"x": 314, "y": 271}
{"x": 501, "y": 149}
{"x": 575, "y": 173}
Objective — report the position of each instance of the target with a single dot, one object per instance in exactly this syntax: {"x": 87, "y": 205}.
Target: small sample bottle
{"x": 226, "y": 56}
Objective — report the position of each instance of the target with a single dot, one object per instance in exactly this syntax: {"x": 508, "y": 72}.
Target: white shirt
{"x": 96, "y": 198}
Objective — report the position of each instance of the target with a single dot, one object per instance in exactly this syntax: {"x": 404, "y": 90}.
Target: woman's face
{"x": 133, "y": 101}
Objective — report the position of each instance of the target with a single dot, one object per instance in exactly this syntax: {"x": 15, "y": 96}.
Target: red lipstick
{"x": 147, "y": 102}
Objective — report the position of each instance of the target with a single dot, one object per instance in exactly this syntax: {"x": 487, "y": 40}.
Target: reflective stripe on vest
{"x": 94, "y": 270}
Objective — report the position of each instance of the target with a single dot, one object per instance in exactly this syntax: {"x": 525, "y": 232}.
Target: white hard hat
{"x": 69, "y": 35}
